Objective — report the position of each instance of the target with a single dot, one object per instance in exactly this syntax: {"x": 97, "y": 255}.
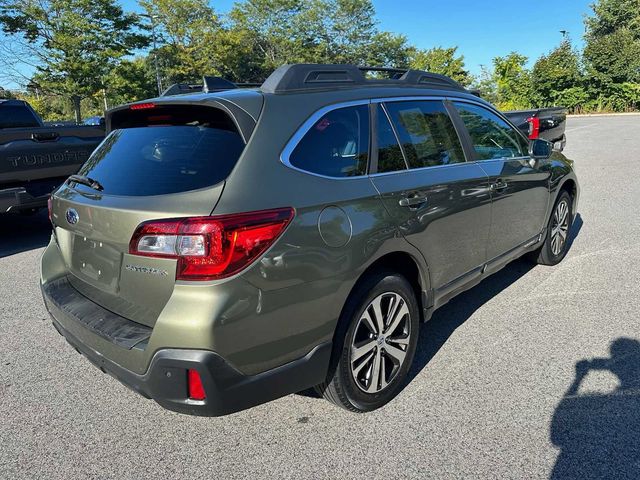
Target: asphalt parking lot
{"x": 501, "y": 386}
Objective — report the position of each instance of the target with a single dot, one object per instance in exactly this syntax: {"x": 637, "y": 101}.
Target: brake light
{"x": 50, "y": 208}
{"x": 194, "y": 384}
{"x": 209, "y": 248}
{"x": 534, "y": 128}
{"x": 142, "y": 106}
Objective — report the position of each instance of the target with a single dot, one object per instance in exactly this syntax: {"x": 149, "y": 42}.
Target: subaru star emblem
{"x": 72, "y": 216}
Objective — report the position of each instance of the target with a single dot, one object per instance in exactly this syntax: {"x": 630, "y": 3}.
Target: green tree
{"x": 612, "y": 53}
{"x": 555, "y": 73}
{"x": 444, "y": 61}
{"x": 513, "y": 82}
{"x": 73, "y": 44}
{"x": 188, "y": 32}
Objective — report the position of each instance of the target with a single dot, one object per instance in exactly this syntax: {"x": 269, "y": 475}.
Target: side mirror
{"x": 540, "y": 149}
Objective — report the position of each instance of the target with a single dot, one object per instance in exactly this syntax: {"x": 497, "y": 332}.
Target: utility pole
{"x": 152, "y": 19}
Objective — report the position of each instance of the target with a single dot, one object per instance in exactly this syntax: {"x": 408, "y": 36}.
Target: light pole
{"x": 152, "y": 19}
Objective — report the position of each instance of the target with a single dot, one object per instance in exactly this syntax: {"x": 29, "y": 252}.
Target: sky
{"x": 481, "y": 30}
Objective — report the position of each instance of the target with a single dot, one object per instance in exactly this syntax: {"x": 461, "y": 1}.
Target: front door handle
{"x": 412, "y": 201}
{"x": 498, "y": 186}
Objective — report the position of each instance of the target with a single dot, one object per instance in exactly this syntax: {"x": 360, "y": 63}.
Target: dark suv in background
{"x": 222, "y": 249}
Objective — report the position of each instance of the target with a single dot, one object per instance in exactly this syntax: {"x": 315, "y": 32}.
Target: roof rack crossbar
{"x": 299, "y": 77}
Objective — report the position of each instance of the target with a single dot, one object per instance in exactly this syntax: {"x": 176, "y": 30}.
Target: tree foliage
{"x": 89, "y": 51}
{"x": 445, "y": 61}
{"x": 74, "y": 44}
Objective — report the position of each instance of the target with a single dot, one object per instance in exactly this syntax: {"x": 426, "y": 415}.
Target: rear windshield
{"x": 163, "y": 159}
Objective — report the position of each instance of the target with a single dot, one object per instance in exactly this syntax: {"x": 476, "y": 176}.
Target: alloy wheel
{"x": 559, "y": 227}
{"x": 380, "y": 342}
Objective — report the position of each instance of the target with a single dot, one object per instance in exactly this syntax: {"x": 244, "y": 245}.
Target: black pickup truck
{"x": 34, "y": 158}
{"x": 546, "y": 123}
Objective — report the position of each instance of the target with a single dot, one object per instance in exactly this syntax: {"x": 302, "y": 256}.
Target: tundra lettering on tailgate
{"x": 48, "y": 158}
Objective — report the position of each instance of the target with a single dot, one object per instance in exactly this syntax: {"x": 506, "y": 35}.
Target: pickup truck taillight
{"x": 209, "y": 248}
{"x": 534, "y": 128}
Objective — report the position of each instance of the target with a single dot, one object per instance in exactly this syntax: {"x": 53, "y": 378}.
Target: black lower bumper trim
{"x": 227, "y": 390}
{"x": 114, "y": 328}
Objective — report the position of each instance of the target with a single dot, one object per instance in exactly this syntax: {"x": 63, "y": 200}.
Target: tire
{"x": 358, "y": 385}
{"x": 551, "y": 252}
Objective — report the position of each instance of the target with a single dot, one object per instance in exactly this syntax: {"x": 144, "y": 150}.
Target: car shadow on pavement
{"x": 19, "y": 233}
{"x": 599, "y": 433}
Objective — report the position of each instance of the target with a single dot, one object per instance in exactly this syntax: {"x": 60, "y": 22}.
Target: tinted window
{"x": 16, "y": 116}
{"x": 427, "y": 133}
{"x": 157, "y": 160}
{"x": 337, "y": 145}
{"x": 491, "y": 136}
{"x": 390, "y": 158}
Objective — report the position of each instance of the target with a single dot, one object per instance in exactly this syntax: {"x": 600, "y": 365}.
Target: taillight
{"x": 208, "y": 248}
{"x": 534, "y": 128}
{"x": 50, "y": 208}
{"x": 194, "y": 384}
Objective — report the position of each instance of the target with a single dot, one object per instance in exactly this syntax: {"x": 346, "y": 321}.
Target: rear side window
{"x": 174, "y": 152}
{"x": 16, "y": 116}
{"x": 426, "y": 132}
{"x": 337, "y": 145}
{"x": 491, "y": 136}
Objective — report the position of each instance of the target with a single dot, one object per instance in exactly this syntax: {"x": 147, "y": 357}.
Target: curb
{"x": 587, "y": 115}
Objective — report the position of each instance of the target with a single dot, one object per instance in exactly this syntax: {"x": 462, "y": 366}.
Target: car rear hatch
{"x": 159, "y": 161}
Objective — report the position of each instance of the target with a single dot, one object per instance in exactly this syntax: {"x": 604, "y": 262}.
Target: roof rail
{"x": 299, "y": 77}
{"x": 209, "y": 84}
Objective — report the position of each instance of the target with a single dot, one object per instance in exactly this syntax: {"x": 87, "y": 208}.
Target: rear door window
{"x": 426, "y": 133}
{"x": 491, "y": 136}
{"x": 390, "y": 158}
{"x": 337, "y": 145}
{"x": 166, "y": 152}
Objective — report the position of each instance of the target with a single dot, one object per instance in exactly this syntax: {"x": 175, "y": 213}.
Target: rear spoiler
{"x": 210, "y": 84}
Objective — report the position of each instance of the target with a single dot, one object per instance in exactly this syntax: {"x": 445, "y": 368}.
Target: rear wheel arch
{"x": 399, "y": 262}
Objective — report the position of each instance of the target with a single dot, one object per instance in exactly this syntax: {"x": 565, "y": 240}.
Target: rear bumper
{"x": 227, "y": 389}
{"x": 16, "y": 199}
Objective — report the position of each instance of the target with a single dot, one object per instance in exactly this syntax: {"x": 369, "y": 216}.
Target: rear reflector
{"x": 142, "y": 106}
{"x": 534, "y": 128}
{"x": 209, "y": 248}
{"x": 194, "y": 382}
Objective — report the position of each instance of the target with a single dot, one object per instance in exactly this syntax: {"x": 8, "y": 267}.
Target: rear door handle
{"x": 498, "y": 186}
{"x": 412, "y": 201}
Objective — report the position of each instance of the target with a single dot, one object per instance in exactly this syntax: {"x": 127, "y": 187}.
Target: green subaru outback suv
{"x": 221, "y": 249}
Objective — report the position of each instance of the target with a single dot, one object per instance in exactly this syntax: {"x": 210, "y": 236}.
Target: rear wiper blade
{"x": 89, "y": 182}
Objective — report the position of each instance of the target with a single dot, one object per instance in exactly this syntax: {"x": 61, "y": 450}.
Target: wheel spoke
{"x": 371, "y": 325}
{"x": 378, "y": 318}
{"x": 374, "y": 374}
{"x": 358, "y": 352}
{"x": 396, "y": 353}
{"x": 364, "y": 363}
{"x": 398, "y": 340}
{"x": 383, "y": 373}
{"x": 399, "y": 313}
